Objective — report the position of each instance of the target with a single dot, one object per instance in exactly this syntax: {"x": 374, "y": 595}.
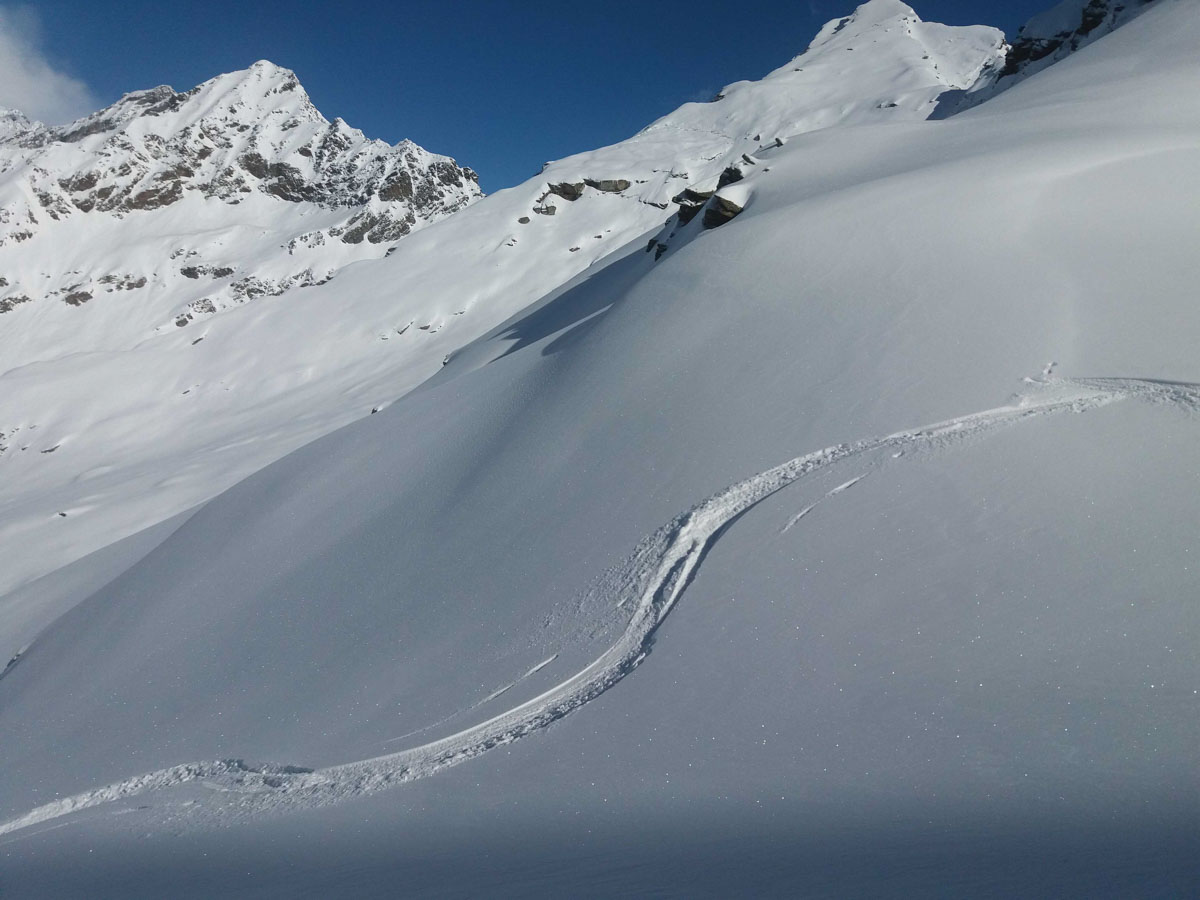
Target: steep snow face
{"x": 140, "y": 383}
{"x": 866, "y": 512}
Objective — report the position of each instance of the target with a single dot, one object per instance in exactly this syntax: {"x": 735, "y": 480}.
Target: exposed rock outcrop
{"x": 567, "y": 190}
{"x": 719, "y": 211}
{"x": 690, "y": 203}
{"x": 607, "y": 185}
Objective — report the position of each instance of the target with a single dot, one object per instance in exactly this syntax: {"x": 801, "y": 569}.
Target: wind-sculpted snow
{"x": 650, "y": 582}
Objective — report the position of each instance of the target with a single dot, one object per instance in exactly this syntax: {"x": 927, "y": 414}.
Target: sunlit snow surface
{"x": 118, "y": 418}
{"x": 970, "y": 672}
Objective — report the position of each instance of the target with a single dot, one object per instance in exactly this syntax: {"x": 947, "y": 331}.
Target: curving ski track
{"x": 655, "y": 575}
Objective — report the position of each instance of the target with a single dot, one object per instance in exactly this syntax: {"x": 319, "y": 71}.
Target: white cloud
{"x": 29, "y": 82}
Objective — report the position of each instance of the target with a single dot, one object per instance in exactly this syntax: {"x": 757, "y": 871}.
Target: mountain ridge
{"x": 237, "y": 140}
{"x": 345, "y": 339}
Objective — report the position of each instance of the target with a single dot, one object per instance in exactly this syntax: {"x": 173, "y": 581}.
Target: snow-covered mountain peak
{"x": 261, "y": 98}
{"x": 889, "y": 29}
{"x": 116, "y": 195}
{"x": 868, "y": 15}
{"x": 262, "y": 90}
{"x": 254, "y": 130}
{"x": 899, "y": 62}
{"x": 14, "y": 123}
{"x": 879, "y": 64}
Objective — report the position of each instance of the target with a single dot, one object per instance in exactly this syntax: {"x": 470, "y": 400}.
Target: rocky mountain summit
{"x": 229, "y": 153}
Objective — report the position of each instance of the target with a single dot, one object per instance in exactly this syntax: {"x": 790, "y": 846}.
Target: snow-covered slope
{"x": 113, "y": 417}
{"x": 122, "y": 229}
{"x": 1060, "y": 31}
{"x": 1045, "y": 39}
{"x": 848, "y": 547}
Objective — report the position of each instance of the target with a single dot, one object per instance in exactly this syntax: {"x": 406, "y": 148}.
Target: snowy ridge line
{"x": 657, "y": 573}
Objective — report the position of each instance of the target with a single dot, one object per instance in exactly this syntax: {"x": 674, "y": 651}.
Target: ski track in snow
{"x": 794, "y": 520}
{"x": 654, "y": 576}
{"x": 499, "y": 692}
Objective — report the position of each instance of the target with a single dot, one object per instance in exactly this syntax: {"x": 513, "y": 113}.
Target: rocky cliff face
{"x": 239, "y": 150}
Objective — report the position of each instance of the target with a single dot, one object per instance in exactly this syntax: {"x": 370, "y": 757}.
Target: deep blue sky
{"x": 501, "y": 86}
